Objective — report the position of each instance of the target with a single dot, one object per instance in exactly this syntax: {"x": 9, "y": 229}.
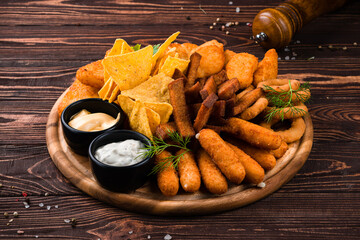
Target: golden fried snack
{"x": 263, "y": 157}
{"x": 279, "y": 85}
{"x": 212, "y": 60}
{"x": 176, "y": 50}
{"x": 218, "y": 109}
{"x": 220, "y": 77}
{"x": 246, "y": 101}
{"x": 289, "y": 112}
{"x": 91, "y": 74}
{"x": 267, "y": 68}
{"x": 167, "y": 179}
{"x": 162, "y": 131}
{"x": 244, "y": 92}
{"x": 228, "y": 89}
{"x": 255, "y": 109}
{"x": 204, "y": 112}
{"x": 242, "y": 66}
{"x": 77, "y": 91}
{"x": 189, "y": 174}
{"x": 189, "y": 47}
{"x": 179, "y": 74}
{"x": 212, "y": 177}
{"x": 254, "y": 172}
{"x": 180, "y": 109}
{"x": 278, "y": 153}
{"x": 209, "y": 88}
{"x": 228, "y": 55}
{"x": 194, "y": 64}
{"x": 223, "y": 155}
{"x": 252, "y": 133}
{"x": 294, "y": 133}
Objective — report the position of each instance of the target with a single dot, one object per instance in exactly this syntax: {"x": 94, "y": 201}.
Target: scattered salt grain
{"x": 286, "y": 49}
{"x": 197, "y": 135}
{"x": 279, "y": 58}
{"x": 26, "y": 205}
{"x": 237, "y": 9}
{"x": 36, "y": 236}
{"x": 230, "y": 3}
{"x": 167, "y": 237}
{"x": 46, "y": 194}
{"x": 56, "y": 206}
{"x": 293, "y": 58}
{"x": 131, "y": 232}
{"x": 148, "y": 237}
{"x": 41, "y": 204}
{"x": 298, "y": 41}
{"x": 228, "y": 24}
{"x": 67, "y": 220}
{"x": 355, "y": 43}
{"x": 261, "y": 185}
{"x": 287, "y": 58}
{"x": 48, "y": 207}
{"x": 20, "y": 232}
{"x": 11, "y": 220}
{"x": 294, "y": 54}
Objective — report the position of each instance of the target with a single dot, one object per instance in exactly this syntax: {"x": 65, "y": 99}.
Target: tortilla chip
{"x": 125, "y": 48}
{"x": 126, "y": 104}
{"x": 153, "y": 119}
{"x": 171, "y": 63}
{"x": 114, "y": 94}
{"x": 155, "y": 89}
{"x": 139, "y": 120}
{"x": 107, "y": 89}
{"x": 130, "y": 69}
{"x": 163, "y": 109}
{"x": 164, "y": 46}
{"x": 116, "y": 48}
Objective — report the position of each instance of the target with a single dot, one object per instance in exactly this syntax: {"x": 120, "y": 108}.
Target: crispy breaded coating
{"x": 188, "y": 172}
{"x": 91, "y": 74}
{"x": 167, "y": 179}
{"x": 267, "y": 68}
{"x": 242, "y": 66}
{"x": 77, "y": 91}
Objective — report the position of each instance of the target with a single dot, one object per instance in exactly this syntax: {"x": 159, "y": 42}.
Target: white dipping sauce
{"x": 124, "y": 153}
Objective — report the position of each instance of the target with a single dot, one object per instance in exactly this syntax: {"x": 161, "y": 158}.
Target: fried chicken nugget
{"x": 228, "y": 55}
{"x": 212, "y": 60}
{"x": 167, "y": 179}
{"x": 91, "y": 74}
{"x": 189, "y": 172}
{"x": 222, "y": 154}
{"x": 212, "y": 177}
{"x": 189, "y": 47}
{"x": 242, "y": 66}
{"x": 77, "y": 91}
{"x": 267, "y": 68}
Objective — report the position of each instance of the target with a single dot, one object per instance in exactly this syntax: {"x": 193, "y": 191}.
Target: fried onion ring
{"x": 279, "y": 85}
{"x": 289, "y": 112}
{"x": 294, "y": 133}
{"x": 255, "y": 109}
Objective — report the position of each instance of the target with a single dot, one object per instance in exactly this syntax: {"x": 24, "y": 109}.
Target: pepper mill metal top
{"x": 275, "y": 27}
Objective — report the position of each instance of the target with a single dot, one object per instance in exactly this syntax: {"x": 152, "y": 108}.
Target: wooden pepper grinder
{"x": 275, "y": 27}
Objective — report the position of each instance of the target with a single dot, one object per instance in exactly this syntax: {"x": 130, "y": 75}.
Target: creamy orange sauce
{"x": 89, "y": 122}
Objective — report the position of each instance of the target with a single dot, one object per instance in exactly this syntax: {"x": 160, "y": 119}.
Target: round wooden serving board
{"x": 148, "y": 199}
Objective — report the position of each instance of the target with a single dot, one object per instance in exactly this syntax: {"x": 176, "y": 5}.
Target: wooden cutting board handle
{"x": 275, "y": 27}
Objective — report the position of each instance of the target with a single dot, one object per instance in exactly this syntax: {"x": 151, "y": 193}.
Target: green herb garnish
{"x": 156, "y": 48}
{"x": 283, "y": 101}
{"x": 159, "y": 145}
{"x": 136, "y": 47}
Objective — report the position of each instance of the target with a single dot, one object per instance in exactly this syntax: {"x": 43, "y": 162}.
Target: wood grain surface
{"x": 42, "y": 43}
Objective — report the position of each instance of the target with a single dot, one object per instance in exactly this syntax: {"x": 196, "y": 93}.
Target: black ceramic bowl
{"x": 78, "y": 140}
{"x": 125, "y": 178}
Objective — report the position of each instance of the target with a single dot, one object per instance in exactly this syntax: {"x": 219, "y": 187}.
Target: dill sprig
{"x": 159, "y": 145}
{"x": 283, "y": 101}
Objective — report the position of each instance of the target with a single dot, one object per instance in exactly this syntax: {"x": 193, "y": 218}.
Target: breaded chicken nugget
{"x": 228, "y": 55}
{"x": 189, "y": 47}
{"x": 212, "y": 60}
{"x": 267, "y": 68}
{"x": 77, "y": 91}
{"x": 91, "y": 74}
{"x": 242, "y": 66}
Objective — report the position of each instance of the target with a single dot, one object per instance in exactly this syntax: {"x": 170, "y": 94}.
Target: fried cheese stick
{"x": 167, "y": 179}
{"x": 254, "y": 172}
{"x": 212, "y": 177}
{"x": 263, "y": 157}
{"x": 278, "y": 153}
{"x": 252, "y": 133}
{"x": 222, "y": 154}
{"x": 189, "y": 174}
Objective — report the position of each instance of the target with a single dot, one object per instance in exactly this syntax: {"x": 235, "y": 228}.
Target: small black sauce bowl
{"x": 79, "y": 141}
{"x": 115, "y": 178}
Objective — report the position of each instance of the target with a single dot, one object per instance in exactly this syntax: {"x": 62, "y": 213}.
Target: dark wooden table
{"x": 43, "y": 43}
